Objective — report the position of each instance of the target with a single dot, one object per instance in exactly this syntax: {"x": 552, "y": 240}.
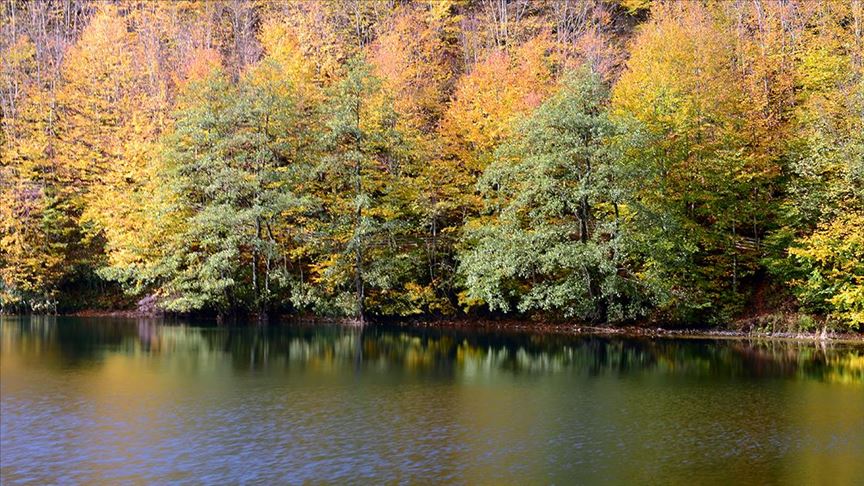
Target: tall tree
{"x": 366, "y": 211}
{"x": 821, "y": 219}
{"x": 555, "y": 239}
{"x": 233, "y": 163}
{"x": 709, "y": 195}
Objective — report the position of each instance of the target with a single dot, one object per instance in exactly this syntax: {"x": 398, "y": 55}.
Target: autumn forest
{"x": 609, "y": 161}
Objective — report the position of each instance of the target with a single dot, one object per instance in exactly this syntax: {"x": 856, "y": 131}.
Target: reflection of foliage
{"x": 434, "y": 352}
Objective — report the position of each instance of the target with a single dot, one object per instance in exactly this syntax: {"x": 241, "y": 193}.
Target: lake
{"x": 112, "y": 400}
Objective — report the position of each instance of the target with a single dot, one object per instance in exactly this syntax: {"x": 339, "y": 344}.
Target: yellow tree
{"x": 110, "y": 114}
{"x": 330, "y": 33}
{"x": 832, "y": 260}
{"x": 33, "y": 244}
{"x": 487, "y": 102}
{"x": 284, "y": 57}
{"x": 708, "y": 190}
{"x": 415, "y": 57}
{"x": 34, "y": 229}
{"x": 95, "y": 102}
{"x": 822, "y": 215}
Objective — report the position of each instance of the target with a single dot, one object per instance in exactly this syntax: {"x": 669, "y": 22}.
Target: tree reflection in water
{"x": 445, "y": 352}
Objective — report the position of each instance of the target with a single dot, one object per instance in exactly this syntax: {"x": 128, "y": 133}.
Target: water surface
{"x": 100, "y": 400}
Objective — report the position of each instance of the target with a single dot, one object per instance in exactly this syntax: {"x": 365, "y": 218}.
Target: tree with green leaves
{"x": 233, "y": 163}
{"x": 555, "y": 236}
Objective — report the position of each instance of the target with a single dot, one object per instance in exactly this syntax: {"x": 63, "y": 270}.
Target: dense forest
{"x": 596, "y": 160}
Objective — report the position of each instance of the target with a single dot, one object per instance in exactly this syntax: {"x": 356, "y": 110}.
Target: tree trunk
{"x": 358, "y": 223}
{"x": 584, "y": 215}
{"x": 358, "y": 247}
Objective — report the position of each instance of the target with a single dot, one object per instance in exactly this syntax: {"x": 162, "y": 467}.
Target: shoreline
{"x": 525, "y": 326}
{"x": 651, "y": 332}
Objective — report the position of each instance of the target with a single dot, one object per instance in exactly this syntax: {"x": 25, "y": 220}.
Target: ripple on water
{"x": 293, "y": 405}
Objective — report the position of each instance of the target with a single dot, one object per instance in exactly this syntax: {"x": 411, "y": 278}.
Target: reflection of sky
{"x": 97, "y": 401}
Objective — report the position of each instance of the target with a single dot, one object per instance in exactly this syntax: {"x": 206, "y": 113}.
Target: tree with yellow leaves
{"x": 702, "y": 189}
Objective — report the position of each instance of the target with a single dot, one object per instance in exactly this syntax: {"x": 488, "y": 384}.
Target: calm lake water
{"x": 99, "y": 400}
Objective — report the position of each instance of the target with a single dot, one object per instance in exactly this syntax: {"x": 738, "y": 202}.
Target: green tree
{"x": 233, "y": 163}
{"x": 555, "y": 238}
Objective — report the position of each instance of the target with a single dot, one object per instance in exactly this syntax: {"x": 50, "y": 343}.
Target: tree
{"x": 34, "y": 235}
{"x": 816, "y": 247}
{"x": 416, "y": 60}
{"x": 555, "y": 239}
{"x": 366, "y": 216}
{"x": 232, "y": 161}
{"x": 325, "y": 156}
{"x": 37, "y": 228}
{"x": 702, "y": 188}
{"x": 831, "y": 262}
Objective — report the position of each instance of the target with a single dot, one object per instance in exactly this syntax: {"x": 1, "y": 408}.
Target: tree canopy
{"x": 601, "y": 160}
